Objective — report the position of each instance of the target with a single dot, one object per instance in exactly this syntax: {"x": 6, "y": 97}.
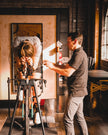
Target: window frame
{"x": 104, "y": 62}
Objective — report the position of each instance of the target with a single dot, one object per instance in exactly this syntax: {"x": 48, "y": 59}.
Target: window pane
{"x": 104, "y": 47}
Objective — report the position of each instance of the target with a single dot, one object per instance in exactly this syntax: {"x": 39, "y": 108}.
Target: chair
{"x": 91, "y": 63}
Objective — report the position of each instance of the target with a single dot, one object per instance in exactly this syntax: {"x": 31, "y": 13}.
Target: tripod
{"x": 27, "y": 84}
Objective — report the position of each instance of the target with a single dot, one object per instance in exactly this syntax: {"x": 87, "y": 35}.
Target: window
{"x": 104, "y": 49}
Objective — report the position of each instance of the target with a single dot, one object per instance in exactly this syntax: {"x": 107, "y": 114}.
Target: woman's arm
{"x": 37, "y": 51}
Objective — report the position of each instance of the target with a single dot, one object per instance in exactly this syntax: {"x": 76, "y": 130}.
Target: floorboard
{"x": 97, "y": 125}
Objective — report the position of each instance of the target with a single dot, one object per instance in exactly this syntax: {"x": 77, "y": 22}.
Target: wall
{"x": 77, "y": 15}
{"x": 49, "y": 43}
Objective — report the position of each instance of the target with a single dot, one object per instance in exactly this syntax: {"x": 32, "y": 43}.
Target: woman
{"x": 27, "y": 54}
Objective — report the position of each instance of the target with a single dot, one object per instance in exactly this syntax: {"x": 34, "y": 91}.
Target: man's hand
{"x": 48, "y": 64}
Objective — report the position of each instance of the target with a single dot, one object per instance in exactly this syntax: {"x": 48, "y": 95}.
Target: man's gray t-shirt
{"x": 77, "y": 82}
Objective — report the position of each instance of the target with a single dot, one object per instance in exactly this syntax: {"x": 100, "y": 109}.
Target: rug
{"x": 34, "y": 130}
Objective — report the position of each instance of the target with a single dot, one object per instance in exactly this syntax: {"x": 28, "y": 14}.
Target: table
{"x": 98, "y": 80}
{"x": 98, "y": 74}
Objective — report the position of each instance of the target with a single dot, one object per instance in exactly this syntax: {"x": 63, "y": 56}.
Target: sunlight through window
{"x": 104, "y": 49}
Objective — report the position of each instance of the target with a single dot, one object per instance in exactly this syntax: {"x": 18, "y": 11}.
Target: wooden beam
{"x": 96, "y": 40}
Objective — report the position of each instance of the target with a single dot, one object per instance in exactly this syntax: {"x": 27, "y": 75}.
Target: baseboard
{"x": 5, "y": 103}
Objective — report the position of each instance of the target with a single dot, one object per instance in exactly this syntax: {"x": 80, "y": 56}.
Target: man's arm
{"x": 64, "y": 70}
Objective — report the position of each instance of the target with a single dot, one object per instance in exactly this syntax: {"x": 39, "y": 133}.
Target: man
{"x": 77, "y": 72}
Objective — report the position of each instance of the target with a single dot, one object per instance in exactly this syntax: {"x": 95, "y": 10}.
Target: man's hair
{"x": 25, "y": 49}
{"x": 76, "y": 35}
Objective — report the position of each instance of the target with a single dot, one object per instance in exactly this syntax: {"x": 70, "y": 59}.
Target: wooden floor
{"x": 3, "y": 117}
{"x": 97, "y": 125}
